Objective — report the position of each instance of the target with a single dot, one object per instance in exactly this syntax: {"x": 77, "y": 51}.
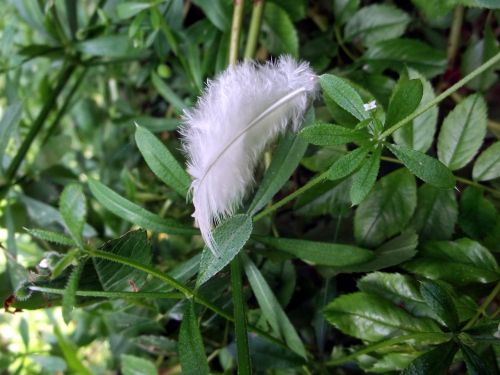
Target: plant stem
{"x": 187, "y": 292}
{"x": 488, "y": 64}
{"x": 342, "y": 45}
{"x": 384, "y": 343}
{"x": 481, "y": 310}
{"x": 253, "y": 32}
{"x": 461, "y": 179}
{"x": 103, "y": 294}
{"x": 239, "y": 6}
{"x": 49, "y": 104}
{"x": 243, "y": 357}
{"x": 454, "y": 40}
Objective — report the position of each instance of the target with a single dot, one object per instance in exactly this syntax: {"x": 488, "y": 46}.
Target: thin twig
{"x": 454, "y": 40}
{"x": 239, "y": 6}
{"x": 254, "y": 31}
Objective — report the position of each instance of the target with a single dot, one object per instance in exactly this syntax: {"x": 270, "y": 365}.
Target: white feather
{"x": 239, "y": 113}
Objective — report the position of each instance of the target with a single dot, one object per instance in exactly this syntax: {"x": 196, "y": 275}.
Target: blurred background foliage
{"x": 77, "y": 75}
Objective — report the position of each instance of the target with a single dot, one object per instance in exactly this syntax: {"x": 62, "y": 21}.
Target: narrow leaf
{"x": 404, "y": 101}
{"x": 9, "y": 121}
{"x": 331, "y": 135}
{"x": 364, "y": 179}
{"x": 69, "y": 297}
{"x": 50, "y": 236}
{"x": 161, "y": 161}
{"x": 191, "y": 349}
{"x": 348, "y": 163}
{"x": 271, "y": 308}
{"x": 167, "y": 93}
{"x": 73, "y": 209}
{"x": 342, "y": 93}
{"x": 424, "y": 166}
{"x": 135, "y": 214}
{"x": 63, "y": 263}
{"x": 230, "y": 238}
{"x": 321, "y": 253}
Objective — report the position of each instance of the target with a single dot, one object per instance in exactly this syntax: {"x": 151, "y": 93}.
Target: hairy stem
{"x": 103, "y": 294}
{"x": 253, "y": 32}
{"x": 488, "y": 64}
{"x": 239, "y": 6}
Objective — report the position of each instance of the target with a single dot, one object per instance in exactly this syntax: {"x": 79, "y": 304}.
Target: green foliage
{"x": 349, "y": 260}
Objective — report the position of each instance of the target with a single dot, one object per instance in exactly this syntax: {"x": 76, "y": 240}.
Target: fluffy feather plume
{"x": 239, "y": 113}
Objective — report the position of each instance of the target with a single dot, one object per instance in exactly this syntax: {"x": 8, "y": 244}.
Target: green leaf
{"x": 460, "y": 262}
{"x": 436, "y": 361}
{"x": 24, "y": 332}
{"x": 161, "y": 161}
{"x": 387, "y": 209}
{"x": 321, "y": 253}
{"x": 69, "y": 297}
{"x": 372, "y": 318}
{"x": 400, "y": 53}
{"x": 487, "y": 165}
{"x": 342, "y": 93}
{"x": 419, "y": 134}
{"x": 283, "y": 36}
{"x": 271, "y": 308}
{"x": 424, "y": 166}
{"x": 475, "y": 364}
{"x": 217, "y": 12}
{"x": 462, "y": 132}
{"x": 348, "y": 163}
{"x": 391, "y": 253}
{"x": 441, "y": 302}
{"x": 477, "y": 53}
{"x": 191, "y": 349}
{"x": 405, "y": 99}
{"x": 491, "y": 4}
{"x": 132, "y": 365}
{"x": 364, "y": 179}
{"x": 331, "y": 135}
{"x": 128, "y": 9}
{"x": 69, "y": 352}
{"x": 477, "y": 214}
{"x": 116, "y": 276}
{"x": 135, "y": 214}
{"x": 117, "y": 46}
{"x": 63, "y": 263}
{"x": 167, "y": 93}
{"x": 73, "y": 208}
{"x": 436, "y": 213}
{"x": 230, "y": 237}
{"x": 401, "y": 290}
{"x": 10, "y": 119}
{"x": 434, "y": 9}
{"x": 285, "y": 160}
{"x": 344, "y": 10}
{"x": 50, "y": 236}
{"x": 268, "y": 355}
{"x": 327, "y": 198}
{"x": 374, "y": 23}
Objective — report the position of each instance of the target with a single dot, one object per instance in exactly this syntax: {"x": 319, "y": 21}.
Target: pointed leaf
{"x": 387, "y": 209}
{"x": 487, "y": 165}
{"x": 405, "y": 99}
{"x": 347, "y": 164}
{"x": 424, "y": 167}
{"x": 419, "y": 134}
{"x": 191, "y": 349}
{"x": 50, "y": 236}
{"x": 271, "y": 308}
{"x": 8, "y": 123}
{"x": 462, "y": 132}
{"x": 436, "y": 213}
{"x": 436, "y": 361}
{"x": 478, "y": 215}
{"x": 372, "y": 318}
{"x": 230, "y": 237}
{"x": 135, "y": 214}
{"x": 475, "y": 364}
{"x": 69, "y": 297}
{"x": 161, "y": 161}
{"x": 441, "y": 302}
{"x": 132, "y": 365}
{"x": 364, "y": 179}
{"x": 73, "y": 209}
{"x": 321, "y": 253}
{"x": 331, "y": 135}
{"x": 342, "y": 93}
{"x": 285, "y": 160}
